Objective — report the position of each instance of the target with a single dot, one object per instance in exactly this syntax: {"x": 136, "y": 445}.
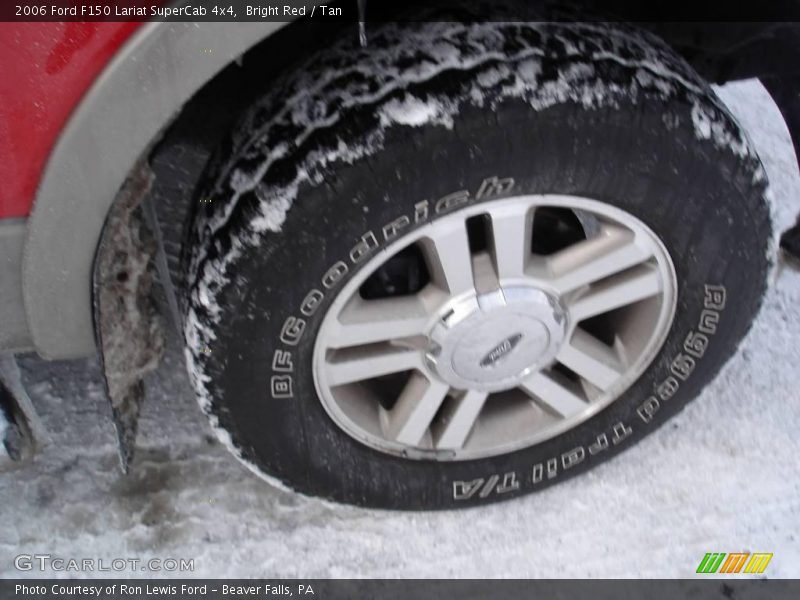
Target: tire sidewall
{"x": 698, "y": 198}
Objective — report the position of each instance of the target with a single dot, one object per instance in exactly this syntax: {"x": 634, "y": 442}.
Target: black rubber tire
{"x": 588, "y": 110}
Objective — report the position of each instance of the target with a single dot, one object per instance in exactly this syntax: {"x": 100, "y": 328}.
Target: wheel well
{"x": 140, "y": 92}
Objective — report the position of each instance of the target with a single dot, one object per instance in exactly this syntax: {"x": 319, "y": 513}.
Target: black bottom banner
{"x": 401, "y": 589}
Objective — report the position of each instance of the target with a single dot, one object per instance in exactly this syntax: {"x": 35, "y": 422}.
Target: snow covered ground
{"x": 721, "y": 477}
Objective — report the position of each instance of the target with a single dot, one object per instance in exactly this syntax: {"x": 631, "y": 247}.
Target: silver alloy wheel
{"x": 501, "y": 348}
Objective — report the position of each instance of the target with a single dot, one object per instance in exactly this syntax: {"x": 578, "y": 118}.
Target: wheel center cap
{"x": 491, "y": 342}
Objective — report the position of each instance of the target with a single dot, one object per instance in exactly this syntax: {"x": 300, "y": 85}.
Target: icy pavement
{"x": 721, "y": 477}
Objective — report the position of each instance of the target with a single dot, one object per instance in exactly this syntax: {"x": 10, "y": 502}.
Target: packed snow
{"x": 721, "y": 477}
{"x": 4, "y": 426}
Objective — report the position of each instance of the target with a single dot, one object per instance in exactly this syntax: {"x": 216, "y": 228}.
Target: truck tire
{"x": 470, "y": 260}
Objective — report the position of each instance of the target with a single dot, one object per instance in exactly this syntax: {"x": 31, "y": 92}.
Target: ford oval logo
{"x": 500, "y": 351}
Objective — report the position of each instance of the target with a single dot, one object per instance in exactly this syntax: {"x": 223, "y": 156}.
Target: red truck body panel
{"x": 45, "y": 69}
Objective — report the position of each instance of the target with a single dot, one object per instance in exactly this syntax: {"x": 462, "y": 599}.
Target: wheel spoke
{"x": 460, "y": 419}
{"x": 371, "y": 363}
{"x": 411, "y": 416}
{"x": 591, "y": 359}
{"x": 511, "y": 240}
{"x": 613, "y": 251}
{"x": 552, "y": 394}
{"x": 633, "y": 286}
{"x": 449, "y": 257}
{"x": 372, "y": 321}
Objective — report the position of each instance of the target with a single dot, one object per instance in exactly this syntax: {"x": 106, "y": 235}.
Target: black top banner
{"x": 403, "y": 10}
